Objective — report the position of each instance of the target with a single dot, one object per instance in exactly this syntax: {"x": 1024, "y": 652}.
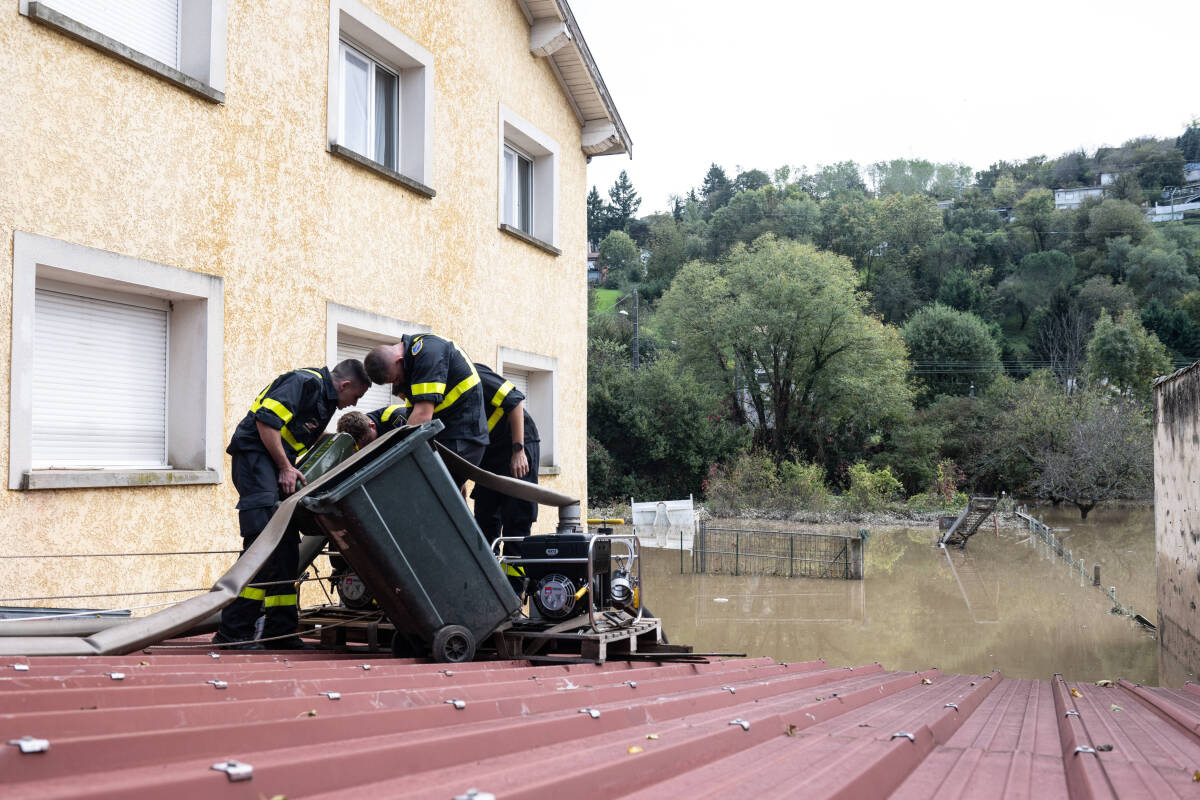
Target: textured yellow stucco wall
{"x": 101, "y": 154}
{"x": 1177, "y": 525}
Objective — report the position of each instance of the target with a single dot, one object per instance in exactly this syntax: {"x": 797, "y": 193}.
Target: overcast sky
{"x": 762, "y": 83}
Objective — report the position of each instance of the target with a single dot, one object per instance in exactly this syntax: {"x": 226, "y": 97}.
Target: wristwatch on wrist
{"x": 517, "y": 447}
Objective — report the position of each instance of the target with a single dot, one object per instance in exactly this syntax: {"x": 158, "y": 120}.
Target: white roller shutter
{"x": 147, "y": 26}
{"x": 99, "y": 382}
{"x": 378, "y": 396}
{"x": 520, "y": 379}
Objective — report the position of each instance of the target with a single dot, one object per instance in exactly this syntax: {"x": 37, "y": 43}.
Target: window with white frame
{"x": 528, "y": 180}
{"x": 380, "y": 110}
{"x": 144, "y": 342}
{"x": 370, "y": 107}
{"x": 535, "y": 376}
{"x": 518, "y": 189}
{"x": 182, "y": 41}
{"x": 352, "y": 333}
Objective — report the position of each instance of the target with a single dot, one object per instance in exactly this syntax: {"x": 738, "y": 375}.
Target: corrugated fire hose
{"x": 79, "y": 637}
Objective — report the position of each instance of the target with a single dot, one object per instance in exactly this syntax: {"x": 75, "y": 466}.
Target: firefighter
{"x": 514, "y": 450}
{"x": 438, "y": 381}
{"x": 366, "y": 428}
{"x": 284, "y": 420}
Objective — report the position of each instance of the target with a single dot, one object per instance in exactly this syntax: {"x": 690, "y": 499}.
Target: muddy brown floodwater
{"x": 1005, "y": 603}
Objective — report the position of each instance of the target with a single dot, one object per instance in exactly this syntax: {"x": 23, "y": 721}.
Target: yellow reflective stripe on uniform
{"x": 502, "y": 393}
{"x": 428, "y": 388}
{"x": 496, "y": 416}
{"x": 251, "y": 593}
{"x": 291, "y": 440}
{"x": 274, "y": 406}
{"x": 311, "y": 372}
{"x": 276, "y": 600}
{"x": 470, "y": 382}
{"x": 387, "y": 412}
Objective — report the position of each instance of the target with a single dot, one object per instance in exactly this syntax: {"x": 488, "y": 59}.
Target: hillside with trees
{"x": 908, "y": 318}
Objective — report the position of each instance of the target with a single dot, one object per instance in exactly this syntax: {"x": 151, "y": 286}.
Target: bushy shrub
{"x": 755, "y": 480}
{"x": 804, "y": 485}
{"x": 871, "y": 490}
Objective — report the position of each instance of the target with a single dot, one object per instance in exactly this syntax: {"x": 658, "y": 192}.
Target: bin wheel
{"x": 453, "y": 644}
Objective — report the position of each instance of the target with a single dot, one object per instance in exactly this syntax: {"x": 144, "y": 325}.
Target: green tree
{"x": 1035, "y": 213}
{"x": 1189, "y": 142}
{"x": 657, "y": 431}
{"x": 778, "y": 328}
{"x": 624, "y": 202}
{"x": 619, "y": 255}
{"x": 1112, "y": 218}
{"x": 1125, "y": 354}
{"x": 951, "y": 350}
{"x": 715, "y": 191}
{"x": 598, "y": 216}
{"x": 1037, "y": 277}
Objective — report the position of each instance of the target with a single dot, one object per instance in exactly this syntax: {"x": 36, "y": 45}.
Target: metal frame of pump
{"x": 632, "y": 558}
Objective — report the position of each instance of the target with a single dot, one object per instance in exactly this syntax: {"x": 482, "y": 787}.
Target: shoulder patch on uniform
{"x": 417, "y": 345}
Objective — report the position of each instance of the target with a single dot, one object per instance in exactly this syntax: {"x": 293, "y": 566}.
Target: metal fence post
{"x": 791, "y": 556}
{"x": 737, "y": 541}
{"x": 681, "y": 551}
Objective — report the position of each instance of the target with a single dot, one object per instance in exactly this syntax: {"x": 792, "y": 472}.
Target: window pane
{"x": 355, "y": 101}
{"x": 525, "y": 194}
{"x": 510, "y": 182}
{"x": 386, "y": 107}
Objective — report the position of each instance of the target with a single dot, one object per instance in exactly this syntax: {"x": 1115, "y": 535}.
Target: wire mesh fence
{"x": 787, "y": 554}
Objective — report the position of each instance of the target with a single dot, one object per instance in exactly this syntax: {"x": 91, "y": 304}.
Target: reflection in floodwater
{"x": 1004, "y": 603}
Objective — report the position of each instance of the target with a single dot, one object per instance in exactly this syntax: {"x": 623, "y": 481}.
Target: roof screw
{"x": 729, "y": 689}
{"x": 475, "y": 794}
{"x": 117, "y": 676}
{"x": 951, "y": 705}
{"x": 1083, "y": 748}
{"x": 459, "y": 705}
{"x": 218, "y": 684}
{"x": 331, "y": 695}
{"x": 235, "y": 770}
{"x": 214, "y": 655}
{"x": 903, "y": 735}
{"x": 742, "y": 723}
{"x": 447, "y": 672}
{"x": 630, "y": 684}
{"x": 29, "y": 744}
{"x": 591, "y": 712}
{"x": 21, "y": 667}
{"x": 366, "y": 667}
{"x": 1071, "y": 713}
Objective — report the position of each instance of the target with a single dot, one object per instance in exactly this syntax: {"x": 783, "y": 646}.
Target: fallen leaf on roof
{"x": 1116, "y": 707}
{"x": 311, "y": 713}
{"x": 1196, "y": 776}
{"x": 925, "y": 681}
{"x": 1075, "y": 692}
{"x": 791, "y": 730}
{"x": 634, "y": 749}
{"x": 1104, "y": 683}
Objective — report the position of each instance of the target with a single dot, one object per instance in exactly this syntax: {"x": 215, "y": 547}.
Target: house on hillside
{"x": 1191, "y": 172}
{"x": 1065, "y": 199}
{"x": 208, "y": 194}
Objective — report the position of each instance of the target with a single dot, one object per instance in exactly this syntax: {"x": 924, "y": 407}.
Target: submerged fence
{"x": 1078, "y": 564}
{"x": 789, "y": 554}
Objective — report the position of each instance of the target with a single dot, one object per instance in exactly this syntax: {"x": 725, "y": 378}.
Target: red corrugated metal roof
{"x": 153, "y": 725}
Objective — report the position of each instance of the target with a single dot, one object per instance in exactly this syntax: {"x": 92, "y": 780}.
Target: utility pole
{"x": 636, "y": 355}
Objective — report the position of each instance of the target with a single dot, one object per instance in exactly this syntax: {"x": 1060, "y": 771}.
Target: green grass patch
{"x": 606, "y": 299}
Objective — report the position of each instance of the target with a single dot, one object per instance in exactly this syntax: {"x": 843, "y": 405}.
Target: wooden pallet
{"x": 574, "y": 640}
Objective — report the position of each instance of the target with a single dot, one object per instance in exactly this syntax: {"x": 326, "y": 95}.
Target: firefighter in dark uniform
{"x": 366, "y": 428}
{"x": 514, "y": 450}
{"x": 284, "y": 420}
{"x": 439, "y": 382}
